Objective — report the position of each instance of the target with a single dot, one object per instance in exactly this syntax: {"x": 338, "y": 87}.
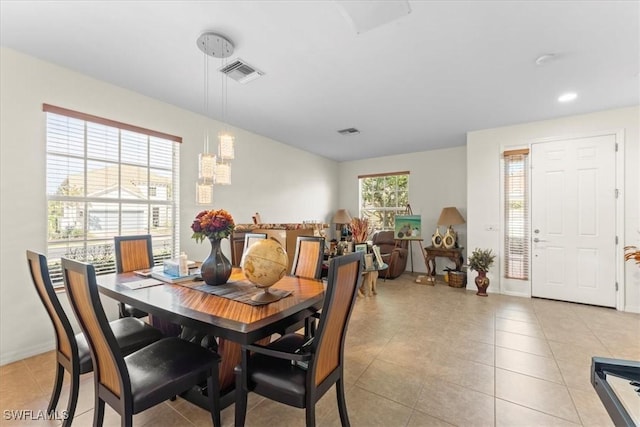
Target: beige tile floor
{"x": 419, "y": 355}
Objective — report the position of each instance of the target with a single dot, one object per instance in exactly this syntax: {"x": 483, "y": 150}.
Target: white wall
{"x": 483, "y": 184}
{"x": 437, "y": 179}
{"x": 282, "y": 183}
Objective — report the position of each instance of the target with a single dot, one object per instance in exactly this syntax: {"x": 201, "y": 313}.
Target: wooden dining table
{"x": 234, "y": 323}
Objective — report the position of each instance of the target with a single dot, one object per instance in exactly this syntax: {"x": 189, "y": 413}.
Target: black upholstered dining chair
{"x": 145, "y": 378}
{"x": 307, "y": 263}
{"x": 297, "y": 371}
{"x": 132, "y": 253}
{"x": 136, "y": 253}
{"x": 72, "y": 351}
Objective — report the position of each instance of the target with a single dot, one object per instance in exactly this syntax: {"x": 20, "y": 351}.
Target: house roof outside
{"x": 104, "y": 181}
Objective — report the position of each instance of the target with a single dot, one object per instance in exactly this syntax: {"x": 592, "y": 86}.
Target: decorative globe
{"x": 263, "y": 264}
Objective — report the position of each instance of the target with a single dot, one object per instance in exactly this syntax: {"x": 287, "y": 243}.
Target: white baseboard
{"x": 23, "y": 353}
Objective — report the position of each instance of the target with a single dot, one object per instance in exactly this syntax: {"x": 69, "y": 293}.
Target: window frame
{"x": 99, "y": 250}
{"x": 399, "y": 209}
{"x": 517, "y": 255}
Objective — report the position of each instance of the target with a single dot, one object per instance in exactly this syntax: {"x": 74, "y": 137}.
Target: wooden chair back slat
{"x": 40, "y": 276}
{"x": 133, "y": 253}
{"x": 308, "y": 257}
{"x": 341, "y": 294}
{"x": 83, "y": 294}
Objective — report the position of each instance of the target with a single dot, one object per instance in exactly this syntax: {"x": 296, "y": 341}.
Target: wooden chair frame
{"x": 133, "y": 334}
{"x": 111, "y": 375}
{"x": 66, "y": 345}
{"x": 307, "y": 262}
{"x": 129, "y": 258}
{"x": 248, "y": 237}
{"x": 345, "y": 277}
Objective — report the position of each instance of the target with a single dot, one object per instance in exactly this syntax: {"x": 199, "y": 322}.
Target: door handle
{"x": 536, "y": 240}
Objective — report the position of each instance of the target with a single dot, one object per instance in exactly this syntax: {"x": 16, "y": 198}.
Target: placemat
{"x": 237, "y": 291}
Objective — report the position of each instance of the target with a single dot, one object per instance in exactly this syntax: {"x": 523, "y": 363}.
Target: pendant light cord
{"x": 206, "y": 98}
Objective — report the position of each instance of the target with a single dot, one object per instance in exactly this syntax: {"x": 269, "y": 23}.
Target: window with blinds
{"x": 106, "y": 179}
{"x": 382, "y": 197}
{"x": 516, "y": 214}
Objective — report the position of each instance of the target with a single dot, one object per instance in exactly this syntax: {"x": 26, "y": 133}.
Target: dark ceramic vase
{"x": 482, "y": 282}
{"x": 216, "y": 268}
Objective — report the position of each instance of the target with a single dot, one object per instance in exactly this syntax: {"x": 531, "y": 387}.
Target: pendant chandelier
{"x": 212, "y": 168}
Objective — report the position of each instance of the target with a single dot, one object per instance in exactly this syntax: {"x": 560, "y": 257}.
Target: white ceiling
{"x": 417, "y": 83}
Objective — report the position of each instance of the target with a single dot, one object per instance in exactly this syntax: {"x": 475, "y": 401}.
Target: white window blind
{"x": 382, "y": 197}
{"x": 516, "y": 214}
{"x": 106, "y": 179}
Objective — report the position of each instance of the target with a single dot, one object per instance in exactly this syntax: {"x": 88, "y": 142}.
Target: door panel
{"x": 573, "y": 220}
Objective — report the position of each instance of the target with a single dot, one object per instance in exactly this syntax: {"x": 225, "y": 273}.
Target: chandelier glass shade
{"x": 214, "y": 169}
{"x": 226, "y": 146}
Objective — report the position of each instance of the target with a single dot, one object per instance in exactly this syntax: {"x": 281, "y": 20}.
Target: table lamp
{"x": 342, "y": 219}
{"x": 450, "y": 216}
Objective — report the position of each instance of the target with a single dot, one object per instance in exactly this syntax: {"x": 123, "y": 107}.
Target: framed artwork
{"x": 361, "y": 247}
{"x": 376, "y": 252}
{"x": 408, "y": 227}
{"x": 368, "y": 261}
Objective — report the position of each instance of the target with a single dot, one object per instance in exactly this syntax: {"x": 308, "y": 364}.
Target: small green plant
{"x": 481, "y": 259}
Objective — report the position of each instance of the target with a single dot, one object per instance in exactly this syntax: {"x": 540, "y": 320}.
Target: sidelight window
{"x": 516, "y": 214}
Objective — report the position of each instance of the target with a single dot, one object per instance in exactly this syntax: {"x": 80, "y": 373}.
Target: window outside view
{"x": 103, "y": 182}
{"x": 382, "y": 197}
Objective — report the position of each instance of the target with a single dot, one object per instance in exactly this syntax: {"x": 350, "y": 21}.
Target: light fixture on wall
{"x": 450, "y": 216}
{"x": 214, "y": 169}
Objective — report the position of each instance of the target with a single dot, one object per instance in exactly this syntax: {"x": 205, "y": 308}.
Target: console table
{"x": 431, "y": 253}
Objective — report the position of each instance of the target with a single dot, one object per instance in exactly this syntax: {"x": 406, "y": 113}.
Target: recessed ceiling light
{"x": 567, "y": 97}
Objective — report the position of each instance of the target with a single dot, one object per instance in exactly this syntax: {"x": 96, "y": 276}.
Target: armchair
{"x": 394, "y": 256}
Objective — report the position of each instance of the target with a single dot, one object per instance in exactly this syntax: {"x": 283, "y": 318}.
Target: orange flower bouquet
{"x": 217, "y": 224}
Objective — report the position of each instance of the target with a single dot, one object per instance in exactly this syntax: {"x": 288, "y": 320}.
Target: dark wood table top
{"x": 236, "y": 321}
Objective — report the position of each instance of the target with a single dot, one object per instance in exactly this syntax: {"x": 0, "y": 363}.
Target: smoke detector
{"x": 240, "y": 71}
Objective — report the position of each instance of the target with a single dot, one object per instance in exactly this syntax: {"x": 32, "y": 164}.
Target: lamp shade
{"x": 450, "y": 216}
{"x": 342, "y": 217}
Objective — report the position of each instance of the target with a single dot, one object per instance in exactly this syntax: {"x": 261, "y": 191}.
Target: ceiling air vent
{"x": 240, "y": 71}
{"x": 349, "y": 131}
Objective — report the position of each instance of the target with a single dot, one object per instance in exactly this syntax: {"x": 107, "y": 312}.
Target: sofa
{"x": 395, "y": 256}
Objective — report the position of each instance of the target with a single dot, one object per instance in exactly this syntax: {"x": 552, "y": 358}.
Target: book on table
{"x": 159, "y": 273}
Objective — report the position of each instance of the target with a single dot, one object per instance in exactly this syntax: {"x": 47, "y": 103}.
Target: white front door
{"x": 573, "y": 220}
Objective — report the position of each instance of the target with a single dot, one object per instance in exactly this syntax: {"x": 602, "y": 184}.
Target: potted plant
{"x": 481, "y": 260}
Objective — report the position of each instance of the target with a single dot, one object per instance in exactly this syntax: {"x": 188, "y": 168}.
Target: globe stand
{"x": 265, "y": 297}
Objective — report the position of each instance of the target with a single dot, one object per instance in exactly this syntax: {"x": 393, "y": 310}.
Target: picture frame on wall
{"x": 407, "y": 227}
{"x": 361, "y": 247}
